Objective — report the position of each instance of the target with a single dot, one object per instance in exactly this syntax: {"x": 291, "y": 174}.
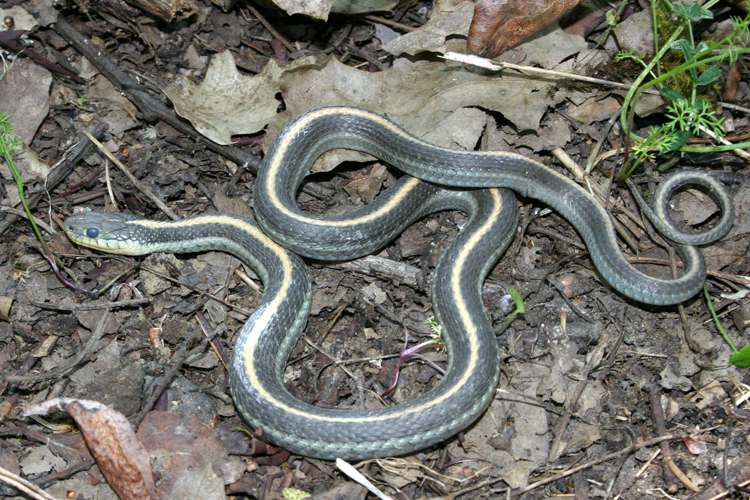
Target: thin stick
{"x": 486, "y": 63}
{"x": 132, "y": 178}
{"x": 389, "y": 22}
{"x": 268, "y": 26}
{"x": 21, "y": 484}
{"x": 21, "y": 213}
{"x": 107, "y": 177}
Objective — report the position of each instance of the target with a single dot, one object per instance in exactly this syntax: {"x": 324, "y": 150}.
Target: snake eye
{"x": 92, "y": 232}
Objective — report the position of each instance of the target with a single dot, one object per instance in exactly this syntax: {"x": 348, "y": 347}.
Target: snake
{"x": 482, "y": 184}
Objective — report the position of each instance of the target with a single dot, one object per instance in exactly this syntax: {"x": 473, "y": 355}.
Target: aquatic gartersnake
{"x": 266, "y": 340}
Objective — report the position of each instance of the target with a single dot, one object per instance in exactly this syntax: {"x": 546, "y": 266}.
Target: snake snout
{"x": 77, "y": 226}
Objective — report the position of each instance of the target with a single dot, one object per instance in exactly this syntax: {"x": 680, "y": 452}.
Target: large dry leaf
{"x": 227, "y": 103}
{"x": 24, "y": 95}
{"x": 422, "y": 97}
{"x": 517, "y": 449}
{"x": 122, "y": 459}
{"x": 202, "y": 484}
{"x": 181, "y": 445}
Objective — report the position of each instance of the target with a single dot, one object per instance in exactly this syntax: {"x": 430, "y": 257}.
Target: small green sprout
{"x": 78, "y": 102}
{"x": 520, "y": 309}
{"x": 740, "y": 358}
{"x": 10, "y": 145}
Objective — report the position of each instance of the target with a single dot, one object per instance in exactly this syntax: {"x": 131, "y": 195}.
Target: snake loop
{"x": 268, "y": 337}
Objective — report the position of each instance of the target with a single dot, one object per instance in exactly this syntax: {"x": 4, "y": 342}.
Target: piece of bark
{"x": 167, "y": 10}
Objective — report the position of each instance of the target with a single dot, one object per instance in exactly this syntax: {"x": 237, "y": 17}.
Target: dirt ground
{"x": 600, "y": 396}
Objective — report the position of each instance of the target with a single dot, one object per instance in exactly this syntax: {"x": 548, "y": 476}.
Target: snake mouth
{"x": 98, "y": 231}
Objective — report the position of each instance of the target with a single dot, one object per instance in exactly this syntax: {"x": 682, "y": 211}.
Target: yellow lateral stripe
{"x": 255, "y": 232}
{"x": 469, "y": 327}
{"x": 275, "y": 164}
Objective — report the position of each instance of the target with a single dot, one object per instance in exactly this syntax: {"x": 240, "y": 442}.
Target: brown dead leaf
{"x": 733, "y": 81}
{"x": 594, "y": 109}
{"x": 365, "y": 187}
{"x": 501, "y": 24}
{"x": 421, "y": 96}
{"x": 25, "y": 90}
{"x": 695, "y": 447}
{"x": 203, "y": 484}
{"x": 696, "y": 206}
{"x": 122, "y": 459}
{"x": 636, "y": 34}
{"x": 449, "y": 20}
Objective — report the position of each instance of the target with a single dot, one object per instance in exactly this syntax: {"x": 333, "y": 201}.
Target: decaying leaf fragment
{"x": 122, "y": 459}
{"x": 448, "y": 19}
{"x": 499, "y": 25}
{"x": 5, "y": 303}
{"x": 320, "y": 9}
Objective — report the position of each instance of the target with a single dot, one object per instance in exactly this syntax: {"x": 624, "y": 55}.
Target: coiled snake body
{"x": 266, "y": 340}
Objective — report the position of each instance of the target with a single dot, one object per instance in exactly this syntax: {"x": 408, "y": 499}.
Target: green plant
{"x": 741, "y": 357}
{"x": 11, "y": 145}
{"x": 688, "y": 111}
{"x": 520, "y": 309}
{"x": 78, "y": 102}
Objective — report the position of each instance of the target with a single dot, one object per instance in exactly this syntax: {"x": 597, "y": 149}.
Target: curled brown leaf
{"x": 122, "y": 459}
{"x": 499, "y": 25}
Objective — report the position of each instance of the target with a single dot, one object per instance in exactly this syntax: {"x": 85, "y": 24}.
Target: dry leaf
{"x": 695, "y": 447}
{"x": 122, "y": 459}
{"x": 228, "y": 103}
{"x": 446, "y": 20}
{"x": 320, "y": 9}
{"x": 202, "y": 484}
{"x": 733, "y": 81}
{"x": 421, "y": 96}
{"x": 25, "y": 90}
{"x": 181, "y": 445}
{"x": 501, "y": 24}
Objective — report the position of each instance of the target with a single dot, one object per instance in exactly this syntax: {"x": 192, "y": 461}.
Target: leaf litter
{"x": 449, "y": 104}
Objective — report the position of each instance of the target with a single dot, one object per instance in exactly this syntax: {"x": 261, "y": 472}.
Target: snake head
{"x": 109, "y": 232}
